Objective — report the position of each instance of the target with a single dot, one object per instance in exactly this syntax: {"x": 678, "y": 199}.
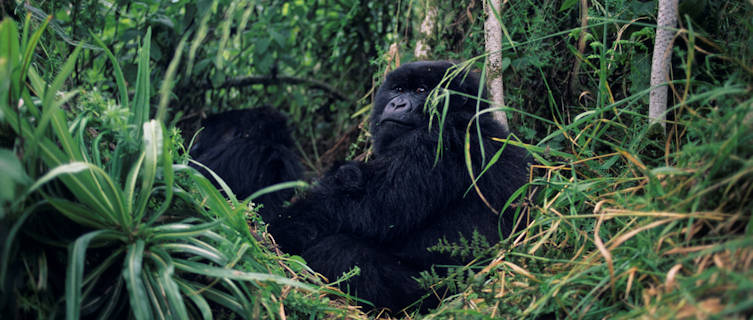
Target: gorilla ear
{"x": 472, "y": 82}
{"x": 471, "y": 85}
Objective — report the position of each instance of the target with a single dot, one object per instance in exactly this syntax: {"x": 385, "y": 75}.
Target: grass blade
{"x": 132, "y": 273}
{"x": 210, "y": 271}
{"x": 153, "y": 143}
{"x": 140, "y": 105}
{"x": 197, "y": 299}
{"x": 168, "y": 175}
{"x": 169, "y": 287}
{"x": 119, "y": 79}
{"x": 52, "y": 113}
{"x": 31, "y": 45}
{"x": 75, "y": 273}
{"x": 176, "y": 231}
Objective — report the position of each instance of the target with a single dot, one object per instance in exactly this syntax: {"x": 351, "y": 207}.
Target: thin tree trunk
{"x": 574, "y": 80}
{"x": 667, "y": 18}
{"x": 493, "y": 38}
{"x": 426, "y": 30}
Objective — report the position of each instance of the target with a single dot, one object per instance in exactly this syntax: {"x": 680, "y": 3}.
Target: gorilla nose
{"x": 398, "y": 105}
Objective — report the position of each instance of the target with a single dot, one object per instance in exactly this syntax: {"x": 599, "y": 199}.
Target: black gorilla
{"x": 382, "y": 215}
{"x": 249, "y": 149}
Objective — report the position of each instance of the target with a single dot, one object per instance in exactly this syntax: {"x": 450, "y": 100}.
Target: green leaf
{"x": 78, "y": 213}
{"x": 297, "y": 263}
{"x": 278, "y": 37}
{"x": 104, "y": 198}
{"x": 200, "y": 35}
{"x": 154, "y": 293}
{"x": 567, "y": 4}
{"x": 167, "y": 81}
{"x": 8, "y": 244}
{"x": 37, "y": 83}
{"x": 261, "y": 46}
{"x": 110, "y": 310}
{"x": 225, "y": 25}
{"x": 119, "y": 79}
{"x": 207, "y": 252}
{"x": 132, "y": 274}
{"x": 75, "y": 272}
{"x": 175, "y": 231}
{"x": 10, "y": 52}
{"x": 141, "y": 96}
{"x": 30, "y": 46}
{"x": 92, "y": 186}
{"x": 197, "y": 299}
{"x": 505, "y": 63}
{"x": 215, "y": 196}
{"x": 169, "y": 288}
{"x": 221, "y": 298}
{"x": 12, "y": 174}
{"x": 153, "y": 143}
{"x": 218, "y": 78}
{"x": 52, "y": 113}
{"x": 168, "y": 175}
{"x": 130, "y": 186}
{"x": 211, "y": 271}
{"x": 277, "y": 187}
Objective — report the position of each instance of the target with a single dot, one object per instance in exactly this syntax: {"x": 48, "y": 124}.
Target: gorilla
{"x": 383, "y": 214}
{"x": 249, "y": 149}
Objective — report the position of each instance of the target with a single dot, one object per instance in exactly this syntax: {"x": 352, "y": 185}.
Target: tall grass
{"x": 628, "y": 223}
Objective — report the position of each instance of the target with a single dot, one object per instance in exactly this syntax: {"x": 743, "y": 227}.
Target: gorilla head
{"x": 262, "y": 124}
{"x": 249, "y": 149}
{"x": 400, "y": 110}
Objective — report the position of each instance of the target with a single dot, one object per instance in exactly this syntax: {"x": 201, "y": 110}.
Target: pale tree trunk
{"x": 493, "y": 38}
{"x": 574, "y": 80}
{"x": 657, "y": 106}
{"x": 426, "y": 31}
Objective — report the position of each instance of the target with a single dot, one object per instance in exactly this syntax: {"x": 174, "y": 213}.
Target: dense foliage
{"x": 100, "y": 215}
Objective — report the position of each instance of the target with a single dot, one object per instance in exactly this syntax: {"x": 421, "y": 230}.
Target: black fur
{"x": 382, "y": 215}
{"x": 249, "y": 149}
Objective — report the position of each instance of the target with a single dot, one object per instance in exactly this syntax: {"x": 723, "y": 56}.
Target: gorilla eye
{"x": 420, "y": 89}
{"x": 399, "y": 89}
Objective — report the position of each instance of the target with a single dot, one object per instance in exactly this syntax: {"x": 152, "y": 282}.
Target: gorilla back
{"x": 382, "y": 215}
{"x": 249, "y": 149}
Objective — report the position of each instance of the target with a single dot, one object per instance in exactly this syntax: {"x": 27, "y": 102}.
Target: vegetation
{"x": 100, "y": 216}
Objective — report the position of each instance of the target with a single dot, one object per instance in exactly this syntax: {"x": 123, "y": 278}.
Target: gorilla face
{"x": 400, "y": 109}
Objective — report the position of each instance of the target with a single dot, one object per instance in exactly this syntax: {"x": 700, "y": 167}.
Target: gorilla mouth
{"x": 404, "y": 121}
{"x": 397, "y": 122}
